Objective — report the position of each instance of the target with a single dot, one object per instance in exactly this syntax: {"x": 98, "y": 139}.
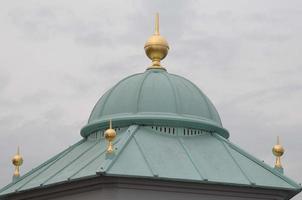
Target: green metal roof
{"x": 156, "y": 152}
{"x": 155, "y": 97}
{"x": 166, "y": 129}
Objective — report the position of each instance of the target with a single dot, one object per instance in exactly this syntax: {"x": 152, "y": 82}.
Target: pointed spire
{"x": 156, "y": 47}
{"x": 156, "y": 24}
{"x": 278, "y": 151}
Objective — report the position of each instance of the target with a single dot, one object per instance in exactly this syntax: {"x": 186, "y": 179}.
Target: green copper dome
{"x": 155, "y": 97}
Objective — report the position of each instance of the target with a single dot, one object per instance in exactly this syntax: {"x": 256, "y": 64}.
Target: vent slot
{"x": 173, "y": 131}
{"x": 163, "y": 129}
{"x": 192, "y": 132}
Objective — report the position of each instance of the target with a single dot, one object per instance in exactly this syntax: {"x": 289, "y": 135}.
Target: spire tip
{"x": 157, "y": 24}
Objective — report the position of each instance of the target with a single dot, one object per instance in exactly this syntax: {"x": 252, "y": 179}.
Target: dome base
{"x": 155, "y": 119}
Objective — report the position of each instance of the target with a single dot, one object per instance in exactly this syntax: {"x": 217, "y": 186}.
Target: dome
{"x": 155, "y": 97}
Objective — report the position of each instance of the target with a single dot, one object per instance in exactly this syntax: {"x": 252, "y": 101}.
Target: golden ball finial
{"x": 156, "y": 47}
{"x": 17, "y": 161}
{"x": 278, "y": 151}
{"x": 110, "y": 135}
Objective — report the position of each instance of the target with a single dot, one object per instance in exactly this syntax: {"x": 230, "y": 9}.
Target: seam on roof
{"x": 69, "y": 163}
{"x": 105, "y": 100}
{"x": 262, "y": 164}
{"x": 200, "y": 93}
{"x": 235, "y": 161}
{"x": 213, "y": 111}
{"x": 88, "y": 163}
{"x": 140, "y": 90}
{"x": 122, "y": 144}
{"x": 55, "y": 159}
{"x": 205, "y": 99}
{"x": 145, "y": 158}
{"x": 175, "y": 94}
{"x": 111, "y": 90}
{"x": 107, "y": 160}
{"x": 190, "y": 158}
{"x": 97, "y": 103}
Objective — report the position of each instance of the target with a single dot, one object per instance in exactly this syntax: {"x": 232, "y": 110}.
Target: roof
{"x": 156, "y": 152}
{"x": 155, "y": 97}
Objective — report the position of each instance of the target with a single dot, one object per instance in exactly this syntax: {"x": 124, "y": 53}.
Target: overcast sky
{"x": 58, "y": 57}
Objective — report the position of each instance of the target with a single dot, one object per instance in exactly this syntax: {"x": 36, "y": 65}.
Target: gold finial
{"x": 110, "y": 134}
{"x": 156, "y": 47}
{"x": 278, "y": 151}
{"x": 17, "y": 161}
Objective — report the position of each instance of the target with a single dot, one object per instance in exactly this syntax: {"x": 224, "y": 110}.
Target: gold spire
{"x": 156, "y": 47}
{"x": 278, "y": 151}
{"x": 156, "y": 24}
{"x": 17, "y": 161}
{"x": 110, "y": 134}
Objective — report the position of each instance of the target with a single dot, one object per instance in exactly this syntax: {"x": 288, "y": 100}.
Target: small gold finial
{"x": 278, "y": 151}
{"x": 156, "y": 47}
{"x": 110, "y": 135}
{"x": 17, "y": 161}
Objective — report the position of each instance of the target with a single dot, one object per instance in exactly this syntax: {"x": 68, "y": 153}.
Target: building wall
{"x": 130, "y": 194}
{"x": 115, "y": 188}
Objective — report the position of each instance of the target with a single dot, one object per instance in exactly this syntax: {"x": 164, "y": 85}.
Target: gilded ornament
{"x": 278, "y": 151}
{"x": 110, "y": 135}
{"x": 17, "y": 161}
{"x": 156, "y": 47}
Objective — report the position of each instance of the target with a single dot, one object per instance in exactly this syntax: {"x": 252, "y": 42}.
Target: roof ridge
{"x": 120, "y": 147}
{"x": 153, "y": 172}
{"x": 139, "y": 93}
{"x": 257, "y": 161}
{"x": 180, "y": 140}
{"x": 175, "y": 94}
{"x": 237, "y": 164}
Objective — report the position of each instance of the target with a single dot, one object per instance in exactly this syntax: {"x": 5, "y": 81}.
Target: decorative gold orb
{"x": 278, "y": 150}
{"x": 156, "y": 49}
{"x": 17, "y": 160}
{"x": 110, "y": 134}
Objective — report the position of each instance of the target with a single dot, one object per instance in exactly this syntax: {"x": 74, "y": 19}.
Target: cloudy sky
{"x": 58, "y": 57}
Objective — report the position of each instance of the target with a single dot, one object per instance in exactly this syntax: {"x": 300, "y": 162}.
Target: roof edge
{"x": 87, "y": 181}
